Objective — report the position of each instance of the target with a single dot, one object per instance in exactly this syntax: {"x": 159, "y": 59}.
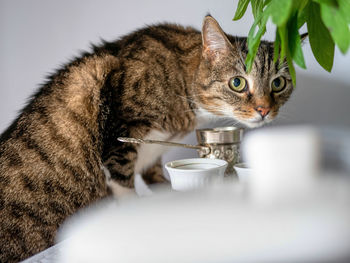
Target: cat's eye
{"x": 278, "y": 84}
{"x": 237, "y": 84}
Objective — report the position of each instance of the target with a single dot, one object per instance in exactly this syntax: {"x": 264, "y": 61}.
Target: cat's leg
{"x": 119, "y": 170}
{"x": 154, "y": 175}
{"x": 121, "y": 177}
{"x": 114, "y": 188}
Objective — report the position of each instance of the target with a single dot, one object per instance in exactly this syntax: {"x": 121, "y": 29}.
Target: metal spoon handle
{"x": 140, "y": 141}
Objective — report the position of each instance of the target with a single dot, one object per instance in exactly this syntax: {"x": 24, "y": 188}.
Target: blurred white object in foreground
{"x": 284, "y": 162}
{"x": 307, "y": 218}
{"x": 244, "y": 172}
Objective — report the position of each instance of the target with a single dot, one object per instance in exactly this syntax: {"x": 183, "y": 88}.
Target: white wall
{"x": 37, "y": 36}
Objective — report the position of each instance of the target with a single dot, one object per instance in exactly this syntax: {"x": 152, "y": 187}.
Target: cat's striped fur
{"x": 154, "y": 79}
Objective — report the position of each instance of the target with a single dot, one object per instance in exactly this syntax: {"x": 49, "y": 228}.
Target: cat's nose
{"x": 263, "y": 111}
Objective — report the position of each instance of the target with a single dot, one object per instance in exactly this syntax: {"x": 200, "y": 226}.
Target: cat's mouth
{"x": 256, "y": 122}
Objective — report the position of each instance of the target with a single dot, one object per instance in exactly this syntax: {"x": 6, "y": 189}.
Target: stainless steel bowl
{"x": 224, "y": 143}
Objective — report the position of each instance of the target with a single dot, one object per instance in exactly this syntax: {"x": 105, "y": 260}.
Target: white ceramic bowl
{"x": 189, "y": 174}
{"x": 243, "y": 171}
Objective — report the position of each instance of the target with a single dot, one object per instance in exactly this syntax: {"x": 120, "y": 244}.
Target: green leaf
{"x": 302, "y": 17}
{"x": 254, "y": 39}
{"x": 337, "y": 26}
{"x": 302, "y": 4}
{"x": 284, "y": 41}
{"x": 291, "y": 67}
{"x": 241, "y": 8}
{"x": 276, "y": 47}
{"x": 280, "y": 11}
{"x": 257, "y": 7}
{"x": 330, "y": 2}
{"x": 253, "y": 45}
{"x": 344, "y": 9}
{"x": 266, "y": 2}
{"x": 321, "y": 41}
{"x": 294, "y": 42}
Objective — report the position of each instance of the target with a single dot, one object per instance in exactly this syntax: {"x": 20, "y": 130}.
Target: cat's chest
{"x": 148, "y": 154}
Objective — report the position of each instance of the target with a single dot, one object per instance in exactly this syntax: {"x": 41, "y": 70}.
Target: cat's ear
{"x": 215, "y": 43}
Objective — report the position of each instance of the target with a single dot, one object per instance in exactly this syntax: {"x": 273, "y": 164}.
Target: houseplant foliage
{"x": 327, "y": 25}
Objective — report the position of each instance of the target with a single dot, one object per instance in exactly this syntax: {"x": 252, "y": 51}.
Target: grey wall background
{"x": 37, "y": 36}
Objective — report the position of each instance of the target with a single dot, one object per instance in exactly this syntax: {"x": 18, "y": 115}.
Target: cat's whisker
{"x": 184, "y": 98}
{"x": 188, "y": 100}
{"x": 233, "y": 122}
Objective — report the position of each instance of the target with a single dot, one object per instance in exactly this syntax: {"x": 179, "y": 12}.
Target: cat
{"x": 155, "y": 83}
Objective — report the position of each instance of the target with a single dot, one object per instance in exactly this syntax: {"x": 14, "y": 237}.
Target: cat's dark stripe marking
{"x": 212, "y": 82}
{"x": 17, "y": 208}
{"x": 48, "y": 187}
{"x": 76, "y": 172}
{"x": 58, "y": 138}
{"x": 38, "y": 219}
{"x": 34, "y": 145}
{"x": 262, "y": 65}
{"x": 267, "y": 61}
{"x": 119, "y": 176}
{"x": 47, "y": 236}
{"x": 203, "y": 86}
{"x": 79, "y": 119}
{"x": 119, "y": 160}
{"x": 128, "y": 148}
{"x": 14, "y": 159}
{"x": 61, "y": 189}
{"x": 2, "y": 202}
{"x": 17, "y": 235}
{"x": 270, "y": 61}
{"x": 29, "y": 183}
{"x": 273, "y": 99}
{"x": 249, "y": 96}
{"x": 57, "y": 208}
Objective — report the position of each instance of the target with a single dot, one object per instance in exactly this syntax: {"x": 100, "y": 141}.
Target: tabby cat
{"x": 154, "y": 83}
